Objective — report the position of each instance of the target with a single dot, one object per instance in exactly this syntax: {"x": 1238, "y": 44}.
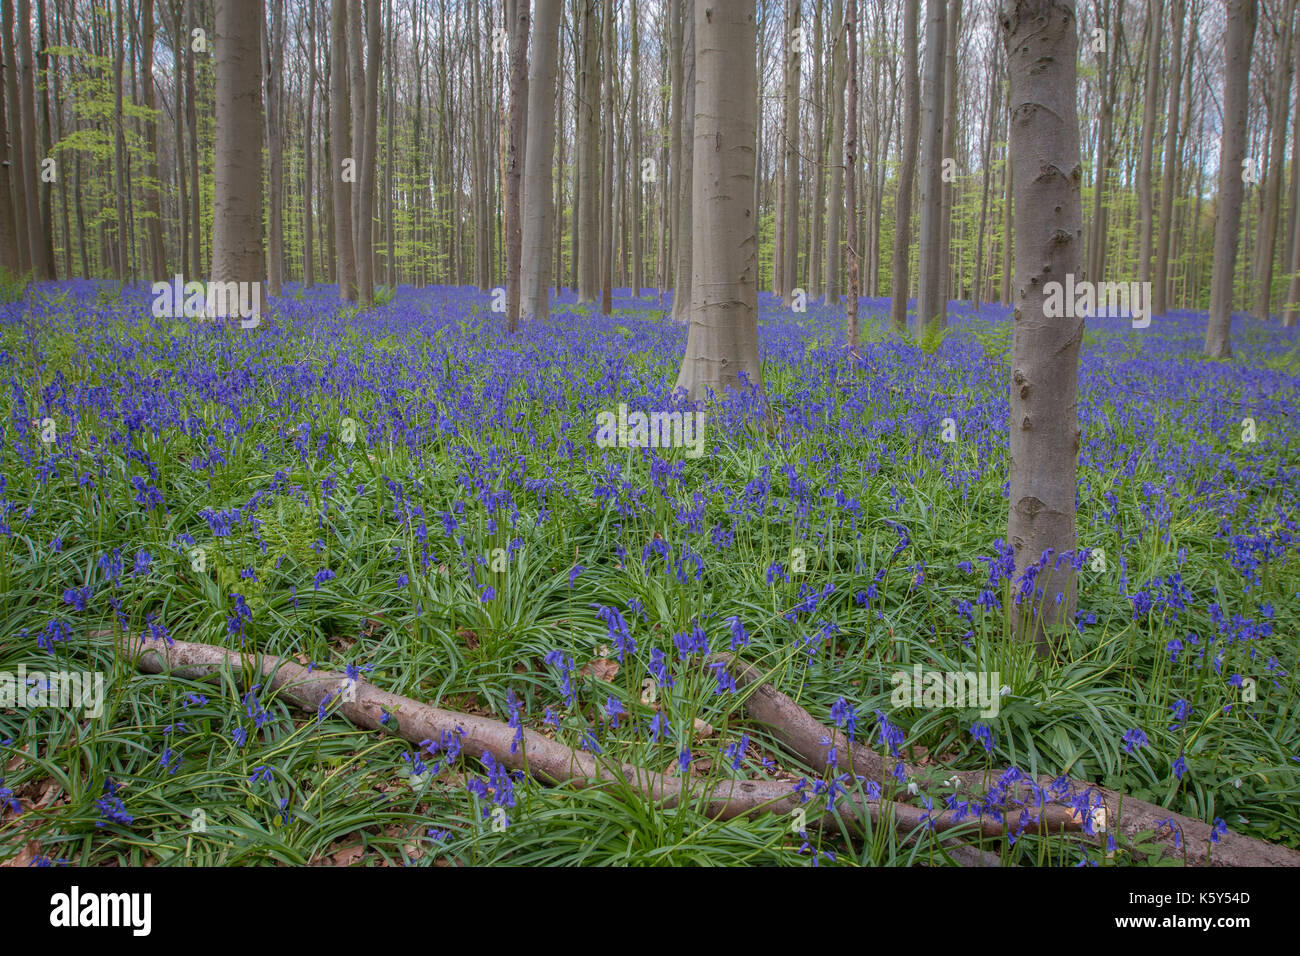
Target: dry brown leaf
{"x": 703, "y": 730}
{"x": 30, "y": 851}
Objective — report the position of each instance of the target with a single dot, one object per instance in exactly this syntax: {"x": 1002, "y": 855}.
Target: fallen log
{"x": 367, "y": 706}
{"x": 800, "y": 732}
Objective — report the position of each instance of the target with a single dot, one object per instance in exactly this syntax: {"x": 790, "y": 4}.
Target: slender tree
{"x": 929, "y": 307}
{"x": 907, "y": 171}
{"x": 515, "y": 157}
{"x": 344, "y": 166}
{"x": 835, "y": 198}
{"x": 790, "y": 246}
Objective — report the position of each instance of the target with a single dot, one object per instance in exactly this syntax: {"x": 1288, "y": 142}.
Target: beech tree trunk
{"x": 851, "y": 173}
{"x": 946, "y": 188}
{"x": 682, "y": 270}
{"x": 27, "y": 143}
{"x": 1041, "y": 44}
{"x": 1151, "y": 97}
{"x": 900, "y": 283}
{"x": 543, "y": 68}
{"x": 790, "y": 244}
{"x": 1270, "y": 212}
{"x": 588, "y": 102}
{"x": 274, "y": 58}
{"x": 1232, "y": 152}
{"x": 238, "y": 250}
{"x": 340, "y": 147}
{"x": 929, "y": 308}
{"x": 835, "y": 199}
{"x": 515, "y": 159}
{"x": 722, "y": 344}
{"x": 9, "y": 259}
{"x": 1164, "y": 227}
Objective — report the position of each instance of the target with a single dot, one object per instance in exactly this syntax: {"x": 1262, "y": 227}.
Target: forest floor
{"x": 413, "y": 496}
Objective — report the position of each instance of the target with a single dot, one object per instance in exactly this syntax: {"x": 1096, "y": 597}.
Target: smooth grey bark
{"x": 153, "y": 201}
{"x": 273, "y": 39}
{"x": 790, "y": 222}
{"x": 238, "y": 249}
{"x": 364, "y": 228}
{"x": 1270, "y": 212}
{"x": 608, "y": 205}
{"x": 192, "y": 129}
{"x": 986, "y": 161}
{"x": 638, "y": 262}
{"x": 588, "y": 112}
{"x": 1041, "y": 43}
{"x": 515, "y": 158}
{"x": 835, "y": 198}
{"x": 9, "y": 260}
{"x": 722, "y": 343}
{"x": 340, "y": 147}
{"x": 929, "y": 308}
{"x": 851, "y": 173}
{"x": 949, "y": 151}
{"x": 1150, "y": 97}
{"x": 19, "y": 172}
{"x": 683, "y": 269}
{"x": 535, "y": 274}
{"x": 1238, "y": 41}
{"x": 1107, "y": 77}
{"x": 308, "y": 253}
{"x": 27, "y": 143}
{"x": 819, "y": 165}
{"x": 900, "y": 284}
{"x": 1164, "y": 234}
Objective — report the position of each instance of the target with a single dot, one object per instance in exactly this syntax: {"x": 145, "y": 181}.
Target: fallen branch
{"x": 548, "y": 760}
{"x": 800, "y": 732}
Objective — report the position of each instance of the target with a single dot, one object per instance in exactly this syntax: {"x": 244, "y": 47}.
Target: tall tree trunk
{"x": 1280, "y": 108}
{"x": 1160, "y": 293}
{"x": 153, "y": 199}
{"x": 238, "y": 250}
{"x": 1107, "y": 74}
{"x": 588, "y": 143}
{"x": 929, "y": 307}
{"x": 815, "y": 232}
{"x": 638, "y": 261}
{"x": 1041, "y": 43}
{"x": 309, "y": 126}
{"x": 1151, "y": 98}
{"x": 907, "y": 171}
{"x": 1232, "y": 152}
{"x": 27, "y": 143}
{"x": 192, "y": 126}
{"x": 722, "y": 343}
{"x": 341, "y": 147}
{"x": 684, "y": 253}
{"x": 364, "y": 229}
{"x": 986, "y": 162}
{"x": 790, "y": 245}
{"x": 9, "y": 237}
{"x": 607, "y": 205}
{"x": 851, "y": 172}
{"x": 47, "y": 143}
{"x": 21, "y": 176}
{"x": 121, "y": 242}
{"x": 1008, "y": 207}
{"x": 835, "y": 200}
{"x": 949, "y": 152}
{"x": 537, "y": 215}
{"x": 274, "y": 74}
{"x": 515, "y": 158}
